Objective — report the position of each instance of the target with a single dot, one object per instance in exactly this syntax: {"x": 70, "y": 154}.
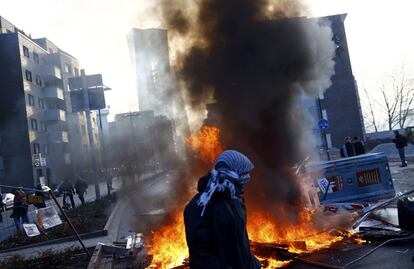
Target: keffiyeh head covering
{"x": 231, "y": 169}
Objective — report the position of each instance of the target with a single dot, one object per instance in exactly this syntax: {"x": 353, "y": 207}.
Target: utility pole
{"x": 323, "y": 131}
{"x": 90, "y": 133}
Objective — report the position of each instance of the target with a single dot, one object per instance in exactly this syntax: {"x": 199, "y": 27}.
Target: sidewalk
{"x": 7, "y": 227}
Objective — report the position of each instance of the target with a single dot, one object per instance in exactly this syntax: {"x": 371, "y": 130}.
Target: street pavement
{"x": 7, "y": 227}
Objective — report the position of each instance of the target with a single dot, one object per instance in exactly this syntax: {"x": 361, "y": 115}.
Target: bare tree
{"x": 370, "y": 117}
{"x": 405, "y": 90}
{"x": 396, "y": 100}
{"x": 389, "y": 104}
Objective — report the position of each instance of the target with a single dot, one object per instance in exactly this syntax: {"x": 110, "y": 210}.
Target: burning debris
{"x": 256, "y": 58}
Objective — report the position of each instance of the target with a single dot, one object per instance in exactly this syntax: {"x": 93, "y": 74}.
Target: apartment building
{"x": 42, "y": 141}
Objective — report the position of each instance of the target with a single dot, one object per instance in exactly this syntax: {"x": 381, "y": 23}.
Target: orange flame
{"x": 168, "y": 245}
{"x": 300, "y": 237}
{"x": 206, "y": 143}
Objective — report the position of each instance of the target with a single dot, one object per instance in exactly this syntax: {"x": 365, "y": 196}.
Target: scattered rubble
{"x": 86, "y": 218}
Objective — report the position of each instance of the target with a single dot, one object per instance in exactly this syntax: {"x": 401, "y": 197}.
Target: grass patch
{"x": 85, "y": 218}
{"x": 70, "y": 258}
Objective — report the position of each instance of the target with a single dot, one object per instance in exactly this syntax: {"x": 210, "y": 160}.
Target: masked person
{"x": 215, "y": 219}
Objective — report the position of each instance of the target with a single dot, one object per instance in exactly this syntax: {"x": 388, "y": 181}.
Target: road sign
{"x": 323, "y": 124}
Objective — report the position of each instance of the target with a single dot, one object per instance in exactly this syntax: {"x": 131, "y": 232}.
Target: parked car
{"x": 7, "y": 200}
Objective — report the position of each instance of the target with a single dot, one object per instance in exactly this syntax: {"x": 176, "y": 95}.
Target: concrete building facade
{"x": 340, "y": 104}
{"x": 151, "y": 61}
{"x": 37, "y": 128}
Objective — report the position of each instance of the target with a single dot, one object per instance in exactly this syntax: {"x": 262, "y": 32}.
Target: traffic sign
{"x": 323, "y": 124}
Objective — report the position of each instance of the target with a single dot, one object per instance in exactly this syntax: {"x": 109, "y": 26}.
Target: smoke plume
{"x": 257, "y": 57}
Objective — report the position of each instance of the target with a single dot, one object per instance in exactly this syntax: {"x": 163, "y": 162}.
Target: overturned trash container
{"x": 362, "y": 178}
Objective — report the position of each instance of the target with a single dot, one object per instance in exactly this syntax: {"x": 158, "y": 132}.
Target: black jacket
{"x": 219, "y": 239}
{"x": 400, "y": 141}
{"x": 359, "y": 147}
{"x": 347, "y": 150}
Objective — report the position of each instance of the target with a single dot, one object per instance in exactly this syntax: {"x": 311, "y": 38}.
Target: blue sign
{"x": 323, "y": 124}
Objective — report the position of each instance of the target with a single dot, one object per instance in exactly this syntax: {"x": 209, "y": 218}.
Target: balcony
{"x": 53, "y": 92}
{"x": 52, "y": 71}
{"x": 55, "y": 114}
{"x": 59, "y": 137}
{"x": 55, "y": 103}
{"x": 53, "y": 76}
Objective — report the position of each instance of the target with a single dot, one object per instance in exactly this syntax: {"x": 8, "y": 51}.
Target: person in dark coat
{"x": 359, "y": 146}
{"x": 215, "y": 218}
{"x": 81, "y": 186}
{"x": 67, "y": 189}
{"x": 400, "y": 143}
{"x": 20, "y": 208}
{"x": 347, "y": 149}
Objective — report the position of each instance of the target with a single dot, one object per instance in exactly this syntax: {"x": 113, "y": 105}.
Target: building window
{"x": 76, "y": 72}
{"x": 26, "y": 52}
{"x": 36, "y": 148}
{"x": 36, "y": 57}
{"x": 60, "y": 94}
{"x": 41, "y": 102}
{"x": 33, "y": 123}
{"x": 31, "y": 100}
{"x": 38, "y": 80}
{"x": 65, "y": 137}
{"x": 28, "y": 75}
{"x": 43, "y": 126}
{"x": 68, "y": 68}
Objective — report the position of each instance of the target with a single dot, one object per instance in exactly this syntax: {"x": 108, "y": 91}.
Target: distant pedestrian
{"x": 108, "y": 178}
{"x": 67, "y": 189}
{"x": 400, "y": 143}
{"x": 347, "y": 149}
{"x": 359, "y": 146}
{"x": 81, "y": 186}
{"x": 39, "y": 192}
{"x": 20, "y": 208}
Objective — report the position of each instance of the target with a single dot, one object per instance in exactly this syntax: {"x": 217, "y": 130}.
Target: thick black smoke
{"x": 258, "y": 62}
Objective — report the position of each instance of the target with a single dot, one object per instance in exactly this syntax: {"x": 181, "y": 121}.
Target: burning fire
{"x": 299, "y": 237}
{"x": 206, "y": 143}
{"x": 168, "y": 245}
{"x": 169, "y": 248}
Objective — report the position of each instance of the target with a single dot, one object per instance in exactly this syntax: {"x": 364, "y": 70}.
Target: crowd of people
{"x": 21, "y": 199}
{"x": 352, "y": 147}
{"x": 355, "y": 147}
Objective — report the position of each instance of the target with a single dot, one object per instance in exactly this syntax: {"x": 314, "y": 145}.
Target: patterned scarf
{"x": 234, "y": 174}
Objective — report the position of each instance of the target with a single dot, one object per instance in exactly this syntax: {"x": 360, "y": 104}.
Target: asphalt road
{"x": 7, "y": 227}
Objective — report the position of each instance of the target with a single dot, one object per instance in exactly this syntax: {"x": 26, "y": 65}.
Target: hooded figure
{"x": 215, "y": 219}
